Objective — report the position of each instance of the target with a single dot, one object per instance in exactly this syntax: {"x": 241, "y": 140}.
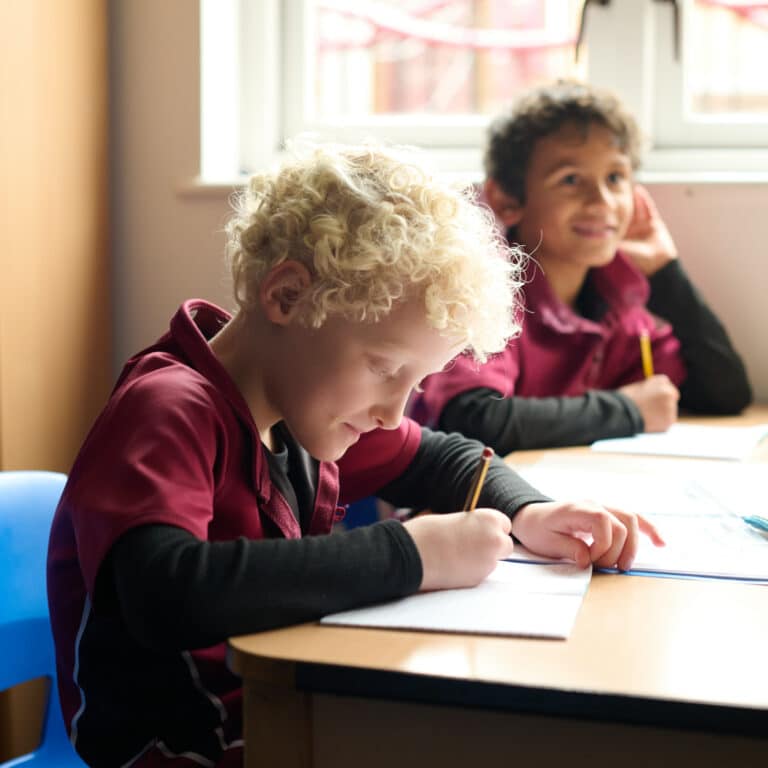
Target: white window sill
{"x": 705, "y": 166}
{"x": 666, "y": 166}
{"x": 199, "y": 187}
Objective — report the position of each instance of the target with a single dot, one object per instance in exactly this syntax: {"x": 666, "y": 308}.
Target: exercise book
{"x": 531, "y": 597}
{"x": 690, "y": 440}
{"x": 697, "y": 506}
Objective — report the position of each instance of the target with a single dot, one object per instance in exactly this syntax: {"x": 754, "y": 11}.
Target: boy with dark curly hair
{"x": 604, "y": 274}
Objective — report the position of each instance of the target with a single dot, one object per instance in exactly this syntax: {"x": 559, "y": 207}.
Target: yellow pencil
{"x": 479, "y": 479}
{"x": 645, "y": 353}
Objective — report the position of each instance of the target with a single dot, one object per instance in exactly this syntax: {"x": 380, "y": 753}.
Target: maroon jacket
{"x": 560, "y": 352}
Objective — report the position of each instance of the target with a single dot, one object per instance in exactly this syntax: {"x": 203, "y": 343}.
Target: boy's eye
{"x": 616, "y": 177}
{"x": 380, "y": 369}
{"x": 570, "y": 179}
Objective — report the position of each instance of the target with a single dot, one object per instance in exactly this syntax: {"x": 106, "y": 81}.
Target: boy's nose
{"x": 599, "y": 195}
{"x": 388, "y": 414}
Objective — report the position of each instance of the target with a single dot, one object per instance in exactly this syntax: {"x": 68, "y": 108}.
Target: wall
{"x": 54, "y": 303}
{"x": 168, "y": 244}
{"x": 721, "y": 231}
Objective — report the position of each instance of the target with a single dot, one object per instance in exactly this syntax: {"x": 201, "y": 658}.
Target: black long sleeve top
{"x": 174, "y": 591}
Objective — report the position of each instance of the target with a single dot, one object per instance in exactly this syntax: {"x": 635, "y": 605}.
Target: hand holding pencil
{"x": 460, "y": 549}
{"x": 656, "y": 398}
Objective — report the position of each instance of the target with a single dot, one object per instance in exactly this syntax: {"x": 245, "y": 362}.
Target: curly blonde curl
{"x": 374, "y": 228}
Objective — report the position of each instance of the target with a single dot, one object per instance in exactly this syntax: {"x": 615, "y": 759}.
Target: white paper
{"x": 696, "y": 506}
{"x": 530, "y": 599}
{"x": 691, "y": 440}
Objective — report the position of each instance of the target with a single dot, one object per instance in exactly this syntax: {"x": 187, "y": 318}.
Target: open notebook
{"x": 526, "y": 597}
{"x": 698, "y": 506}
{"x": 690, "y": 440}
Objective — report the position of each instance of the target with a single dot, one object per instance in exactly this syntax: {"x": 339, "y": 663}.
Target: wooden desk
{"x": 657, "y": 672}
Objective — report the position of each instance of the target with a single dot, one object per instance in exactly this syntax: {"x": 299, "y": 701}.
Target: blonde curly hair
{"x": 374, "y": 228}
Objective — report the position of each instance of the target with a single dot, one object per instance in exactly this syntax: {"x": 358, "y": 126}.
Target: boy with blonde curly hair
{"x": 200, "y": 504}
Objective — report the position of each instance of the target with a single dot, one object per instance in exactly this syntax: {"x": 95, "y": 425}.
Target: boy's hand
{"x": 460, "y": 549}
{"x": 647, "y": 241}
{"x": 656, "y": 398}
{"x": 584, "y": 532}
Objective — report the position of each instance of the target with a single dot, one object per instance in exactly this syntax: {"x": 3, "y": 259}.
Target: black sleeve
{"x": 717, "y": 380}
{"x": 521, "y": 423}
{"x": 440, "y": 477}
{"x": 176, "y": 592}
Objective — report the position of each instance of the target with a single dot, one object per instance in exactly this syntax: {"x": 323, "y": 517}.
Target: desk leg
{"x": 277, "y": 724}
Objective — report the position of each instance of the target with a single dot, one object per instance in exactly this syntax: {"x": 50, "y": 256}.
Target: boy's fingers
{"x": 495, "y": 517}
{"x": 651, "y": 531}
{"x": 569, "y": 547}
{"x": 643, "y": 202}
{"x": 648, "y": 202}
{"x": 631, "y": 543}
{"x": 599, "y": 524}
{"x": 497, "y": 523}
{"x": 616, "y": 543}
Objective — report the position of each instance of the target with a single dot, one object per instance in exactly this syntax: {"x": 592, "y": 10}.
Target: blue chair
{"x": 27, "y": 503}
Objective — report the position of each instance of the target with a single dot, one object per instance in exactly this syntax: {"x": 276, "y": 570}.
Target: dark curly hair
{"x": 544, "y": 110}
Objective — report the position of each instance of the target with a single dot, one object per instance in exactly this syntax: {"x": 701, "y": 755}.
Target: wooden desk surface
{"x": 755, "y": 414}
{"x": 660, "y": 641}
{"x": 651, "y": 638}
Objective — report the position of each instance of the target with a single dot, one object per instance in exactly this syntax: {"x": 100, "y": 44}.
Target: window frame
{"x": 246, "y": 116}
{"x": 462, "y": 131}
{"x": 672, "y": 127}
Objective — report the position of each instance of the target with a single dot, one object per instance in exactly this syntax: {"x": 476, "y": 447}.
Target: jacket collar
{"x": 620, "y": 284}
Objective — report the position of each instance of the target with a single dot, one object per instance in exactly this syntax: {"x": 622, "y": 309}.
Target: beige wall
{"x": 721, "y": 231}
{"x": 168, "y": 246}
{"x": 54, "y": 302}
{"x": 165, "y": 247}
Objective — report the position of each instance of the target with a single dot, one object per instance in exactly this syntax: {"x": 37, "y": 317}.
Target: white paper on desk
{"x": 529, "y": 599}
{"x": 696, "y": 505}
{"x": 691, "y": 440}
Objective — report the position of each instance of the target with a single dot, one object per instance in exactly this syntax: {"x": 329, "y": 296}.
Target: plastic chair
{"x": 27, "y": 503}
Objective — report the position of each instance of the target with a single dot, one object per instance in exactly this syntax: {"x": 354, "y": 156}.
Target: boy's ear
{"x": 506, "y": 207}
{"x": 282, "y": 290}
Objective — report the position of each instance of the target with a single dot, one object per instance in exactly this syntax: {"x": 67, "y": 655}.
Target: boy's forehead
{"x": 564, "y": 145}
{"x": 406, "y": 328}
{"x": 574, "y": 134}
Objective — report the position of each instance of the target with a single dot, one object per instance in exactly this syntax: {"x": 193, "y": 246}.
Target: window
{"x": 432, "y": 73}
{"x": 421, "y": 72}
{"x": 716, "y": 93}
{"x": 697, "y": 88}
{"x": 411, "y": 63}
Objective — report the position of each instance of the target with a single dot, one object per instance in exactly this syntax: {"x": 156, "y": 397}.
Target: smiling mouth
{"x": 594, "y": 231}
